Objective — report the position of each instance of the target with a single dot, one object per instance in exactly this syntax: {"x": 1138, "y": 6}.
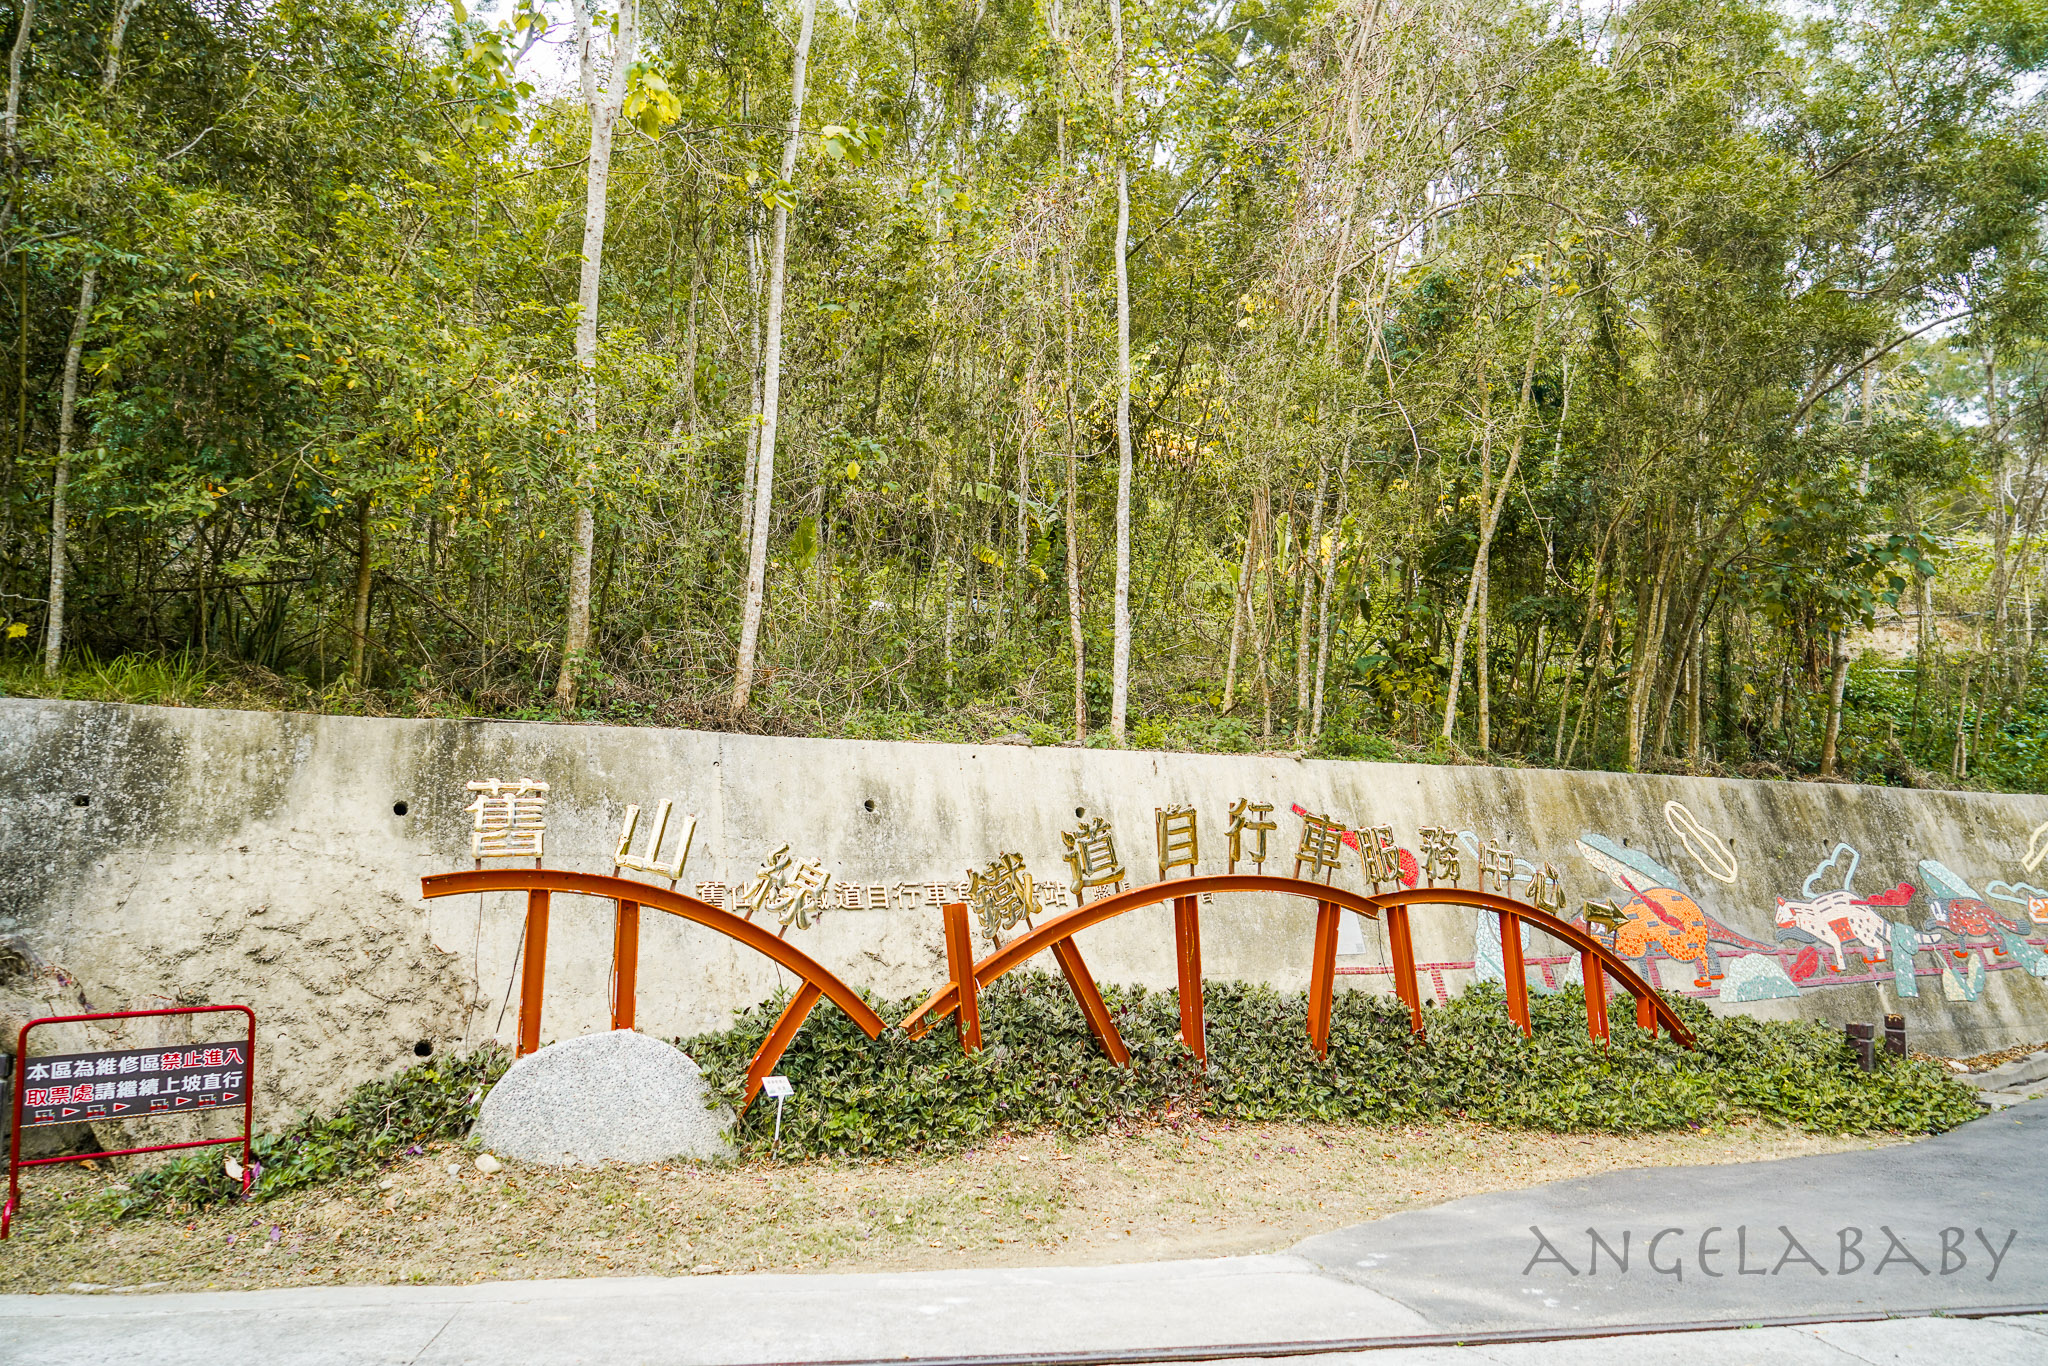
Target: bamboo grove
{"x": 1639, "y": 385}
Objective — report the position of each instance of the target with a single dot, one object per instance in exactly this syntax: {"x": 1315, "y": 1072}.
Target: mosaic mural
{"x": 1932, "y": 929}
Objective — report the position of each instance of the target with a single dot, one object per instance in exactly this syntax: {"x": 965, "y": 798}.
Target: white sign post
{"x": 779, "y": 1088}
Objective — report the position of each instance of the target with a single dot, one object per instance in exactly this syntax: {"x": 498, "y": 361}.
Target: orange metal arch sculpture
{"x": 1596, "y": 960}
{"x": 1056, "y": 934}
{"x": 539, "y": 883}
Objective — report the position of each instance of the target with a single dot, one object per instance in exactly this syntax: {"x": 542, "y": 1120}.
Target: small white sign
{"x": 777, "y": 1087}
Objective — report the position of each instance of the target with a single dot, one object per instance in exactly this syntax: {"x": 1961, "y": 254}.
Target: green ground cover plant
{"x": 1039, "y": 1070}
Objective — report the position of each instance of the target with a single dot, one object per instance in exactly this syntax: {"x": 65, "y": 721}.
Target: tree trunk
{"x": 1481, "y": 559}
{"x": 1836, "y": 686}
{"x": 1059, "y": 37}
{"x": 12, "y": 127}
{"x": 67, "y": 409}
{"x": 1120, "y": 682}
{"x": 2001, "y": 530}
{"x": 1585, "y": 634}
{"x": 604, "y": 115}
{"x": 1073, "y": 471}
{"x": 1648, "y": 645}
{"x": 1329, "y": 574}
{"x": 1311, "y": 557}
{"x": 771, "y": 381}
{"x": 756, "y": 307}
{"x": 359, "y": 620}
{"x": 1959, "y": 754}
{"x": 1240, "y": 608}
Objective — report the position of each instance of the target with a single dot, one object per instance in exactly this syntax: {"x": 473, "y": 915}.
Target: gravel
{"x": 615, "y": 1097}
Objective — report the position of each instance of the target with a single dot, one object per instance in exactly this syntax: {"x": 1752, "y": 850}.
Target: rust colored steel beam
{"x": 960, "y": 962}
{"x": 546, "y": 880}
{"x": 1024, "y": 947}
{"x": 1651, "y": 1009}
{"x": 1187, "y": 945}
{"x": 1596, "y": 997}
{"x": 1401, "y": 944}
{"x": 1322, "y": 977}
{"x": 625, "y": 964}
{"x": 533, "y": 969}
{"x": 1096, "y": 1011}
{"x": 1515, "y": 971}
{"x": 786, "y": 1026}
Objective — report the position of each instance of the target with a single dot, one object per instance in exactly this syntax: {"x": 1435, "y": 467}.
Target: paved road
{"x": 1957, "y": 1220}
{"x": 1472, "y": 1267}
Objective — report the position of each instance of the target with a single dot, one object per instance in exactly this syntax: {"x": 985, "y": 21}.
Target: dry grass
{"x": 1196, "y": 1190}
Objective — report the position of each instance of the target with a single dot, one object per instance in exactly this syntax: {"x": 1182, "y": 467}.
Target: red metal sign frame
{"x": 15, "y": 1161}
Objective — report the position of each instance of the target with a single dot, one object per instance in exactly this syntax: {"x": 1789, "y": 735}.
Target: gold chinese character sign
{"x": 1180, "y": 845}
{"x": 1322, "y": 846}
{"x": 1091, "y": 853}
{"x": 652, "y": 863}
{"x": 1496, "y": 865}
{"x": 511, "y": 818}
{"x": 1002, "y": 895}
{"x": 1249, "y": 827}
{"x": 1382, "y": 858}
{"x": 1439, "y": 853}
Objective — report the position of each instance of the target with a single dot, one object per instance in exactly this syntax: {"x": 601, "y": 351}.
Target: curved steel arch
{"x": 1596, "y": 959}
{"x": 539, "y": 883}
{"x": 1057, "y": 934}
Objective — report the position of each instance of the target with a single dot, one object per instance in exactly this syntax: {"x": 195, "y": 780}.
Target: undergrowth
{"x": 381, "y": 1122}
{"x": 1039, "y": 1069}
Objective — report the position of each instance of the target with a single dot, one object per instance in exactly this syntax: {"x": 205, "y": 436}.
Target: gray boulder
{"x": 616, "y": 1097}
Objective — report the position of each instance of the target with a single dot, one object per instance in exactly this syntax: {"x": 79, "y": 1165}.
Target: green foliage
{"x": 380, "y": 1122}
{"x": 1040, "y": 1069}
{"x": 1774, "y": 274}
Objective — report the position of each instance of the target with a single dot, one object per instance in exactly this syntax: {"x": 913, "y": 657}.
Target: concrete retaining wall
{"x": 154, "y": 855}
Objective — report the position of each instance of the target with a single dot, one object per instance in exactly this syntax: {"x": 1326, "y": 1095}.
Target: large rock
{"x": 616, "y": 1097}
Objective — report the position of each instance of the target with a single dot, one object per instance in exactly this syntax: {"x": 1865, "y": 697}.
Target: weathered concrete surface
{"x": 619, "y": 1096}
{"x": 157, "y": 854}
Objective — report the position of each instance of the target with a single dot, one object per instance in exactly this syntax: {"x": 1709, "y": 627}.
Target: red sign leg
{"x": 1082, "y": 982}
{"x": 1515, "y": 970}
{"x": 1322, "y": 976}
{"x": 1646, "y": 1014}
{"x": 533, "y": 970}
{"x": 960, "y": 962}
{"x": 1401, "y": 943}
{"x": 625, "y": 964}
{"x": 1187, "y": 944}
{"x": 1596, "y": 998}
{"x": 786, "y": 1025}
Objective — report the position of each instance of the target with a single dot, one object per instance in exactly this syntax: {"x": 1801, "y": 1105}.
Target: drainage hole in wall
{"x": 81, "y": 800}
{"x": 869, "y": 804}
{"x": 1080, "y": 811}
{"x": 398, "y": 809}
{"x": 424, "y": 1048}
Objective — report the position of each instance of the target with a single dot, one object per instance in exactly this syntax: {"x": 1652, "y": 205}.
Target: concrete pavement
{"x": 1517, "y": 1263}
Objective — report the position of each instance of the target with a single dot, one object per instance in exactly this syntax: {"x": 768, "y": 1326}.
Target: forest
{"x": 1653, "y": 386}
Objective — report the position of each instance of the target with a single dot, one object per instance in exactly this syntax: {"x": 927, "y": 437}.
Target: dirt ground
{"x": 1199, "y": 1190}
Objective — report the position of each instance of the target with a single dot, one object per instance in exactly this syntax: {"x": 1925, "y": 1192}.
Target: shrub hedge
{"x": 1040, "y": 1069}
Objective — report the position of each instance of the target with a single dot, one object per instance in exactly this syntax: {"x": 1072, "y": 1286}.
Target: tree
{"x": 771, "y": 383}
{"x": 604, "y": 104}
